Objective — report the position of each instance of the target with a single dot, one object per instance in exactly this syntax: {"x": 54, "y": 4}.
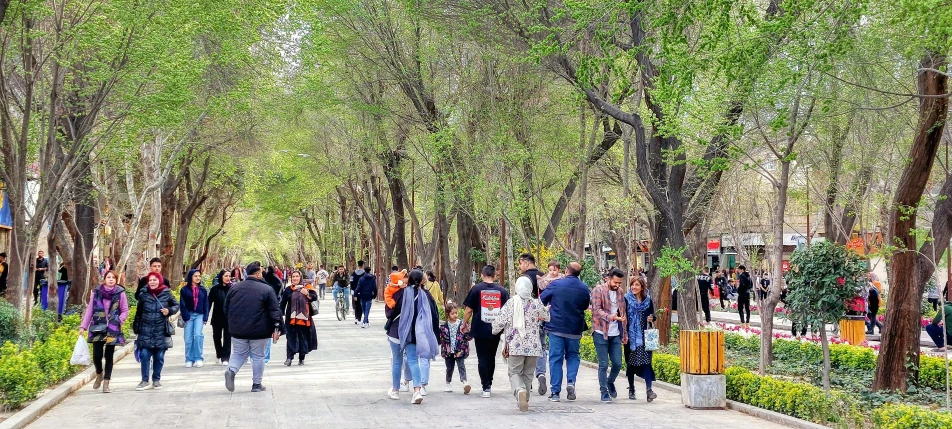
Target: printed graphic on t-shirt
{"x": 490, "y": 303}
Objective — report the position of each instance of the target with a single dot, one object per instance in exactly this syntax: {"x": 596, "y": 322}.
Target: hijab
{"x": 155, "y": 292}
{"x": 635, "y": 310}
{"x": 523, "y": 295}
{"x": 218, "y": 279}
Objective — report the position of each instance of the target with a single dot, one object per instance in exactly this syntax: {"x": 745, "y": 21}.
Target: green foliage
{"x": 9, "y": 322}
{"x": 667, "y": 368}
{"x": 127, "y": 325}
{"x": 899, "y": 416}
{"x": 54, "y": 353}
{"x": 587, "y": 349}
{"x": 19, "y": 382}
{"x": 673, "y": 263}
{"x": 42, "y": 324}
{"x": 822, "y": 278}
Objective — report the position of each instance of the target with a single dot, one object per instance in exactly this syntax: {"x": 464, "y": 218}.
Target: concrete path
{"x": 343, "y": 385}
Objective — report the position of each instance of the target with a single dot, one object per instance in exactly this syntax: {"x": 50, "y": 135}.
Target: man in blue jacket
{"x": 567, "y": 298}
{"x": 366, "y": 293}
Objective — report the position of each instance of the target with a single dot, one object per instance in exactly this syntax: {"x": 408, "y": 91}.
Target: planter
{"x": 853, "y": 329}
{"x": 704, "y": 392}
{"x": 702, "y": 352}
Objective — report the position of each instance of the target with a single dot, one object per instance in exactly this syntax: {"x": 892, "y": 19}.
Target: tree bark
{"x": 825, "y": 344}
{"x": 395, "y": 183}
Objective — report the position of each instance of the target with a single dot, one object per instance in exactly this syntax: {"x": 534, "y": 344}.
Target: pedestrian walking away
{"x": 483, "y": 305}
{"x": 216, "y": 302}
{"x": 322, "y": 277}
{"x": 872, "y": 303}
{"x": 567, "y": 299}
{"x": 704, "y": 289}
{"x": 640, "y": 313}
{"x": 518, "y": 322}
{"x": 366, "y": 292}
{"x": 745, "y": 285}
{"x": 153, "y": 328}
{"x": 454, "y": 347}
{"x": 193, "y": 302}
{"x": 609, "y": 333}
{"x": 254, "y": 319}
{"x": 301, "y": 333}
{"x": 354, "y": 280}
{"x": 105, "y": 314}
{"x": 412, "y": 330}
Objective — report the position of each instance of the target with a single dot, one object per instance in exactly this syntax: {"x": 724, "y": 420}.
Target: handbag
{"x": 181, "y": 322}
{"x": 651, "y": 338}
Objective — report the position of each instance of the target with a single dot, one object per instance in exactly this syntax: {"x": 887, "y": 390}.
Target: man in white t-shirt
{"x": 322, "y": 277}
{"x": 609, "y": 315}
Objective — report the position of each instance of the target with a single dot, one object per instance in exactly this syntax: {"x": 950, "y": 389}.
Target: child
{"x": 454, "y": 347}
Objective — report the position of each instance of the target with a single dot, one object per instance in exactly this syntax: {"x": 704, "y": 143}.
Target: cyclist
{"x": 341, "y": 285}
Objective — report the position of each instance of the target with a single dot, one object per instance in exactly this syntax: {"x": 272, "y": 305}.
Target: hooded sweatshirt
{"x": 354, "y": 278}
{"x": 396, "y": 280}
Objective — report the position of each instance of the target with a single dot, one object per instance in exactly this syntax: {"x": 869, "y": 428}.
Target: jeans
{"x": 935, "y": 332}
{"x": 222, "y": 340}
{"x": 872, "y": 323}
{"x": 607, "y": 350}
{"x": 346, "y": 291}
{"x": 424, "y": 371}
{"x": 267, "y": 352}
{"x": 396, "y": 363}
{"x": 101, "y": 351}
{"x": 454, "y": 362}
{"x": 486, "y": 349}
{"x": 520, "y": 373}
{"x": 543, "y": 361}
{"x": 358, "y": 310}
{"x": 563, "y": 349}
{"x": 365, "y": 308}
{"x": 194, "y": 339}
{"x": 321, "y": 290}
{"x": 240, "y": 351}
{"x": 157, "y": 359}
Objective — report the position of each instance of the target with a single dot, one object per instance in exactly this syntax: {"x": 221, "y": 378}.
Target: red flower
{"x": 841, "y": 281}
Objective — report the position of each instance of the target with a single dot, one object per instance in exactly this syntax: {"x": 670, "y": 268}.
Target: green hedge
{"x": 9, "y": 322}
{"x": 795, "y": 399}
{"x": 667, "y": 368}
{"x": 893, "y": 416}
{"x": 19, "y": 382}
{"x": 587, "y": 349}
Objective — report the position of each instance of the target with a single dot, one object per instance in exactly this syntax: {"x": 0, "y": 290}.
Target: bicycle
{"x": 341, "y": 306}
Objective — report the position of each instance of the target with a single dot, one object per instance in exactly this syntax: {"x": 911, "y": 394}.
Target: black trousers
{"x": 803, "y": 329}
{"x": 486, "y": 349}
{"x": 451, "y": 363}
{"x": 101, "y": 351}
{"x": 222, "y": 339}
{"x": 743, "y": 305}
{"x": 358, "y": 311}
{"x": 705, "y": 304}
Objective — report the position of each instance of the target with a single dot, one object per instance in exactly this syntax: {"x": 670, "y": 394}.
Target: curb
{"x": 760, "y": 413}
{"x": 52, "y": 398}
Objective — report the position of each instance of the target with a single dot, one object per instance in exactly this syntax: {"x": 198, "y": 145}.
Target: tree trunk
{"x": 768, "y": 305}
{"x": 464, "y": 257}
{"x": 825, "y": 343}
{"x": 395, "y": 183}
{"x": 900, "y": 341}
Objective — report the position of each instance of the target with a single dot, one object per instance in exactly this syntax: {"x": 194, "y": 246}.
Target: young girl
{"x": 454, "y": 347}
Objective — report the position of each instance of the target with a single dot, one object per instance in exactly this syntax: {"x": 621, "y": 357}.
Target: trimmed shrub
{"x": 587, "y": 349}
{"x": 667, "y": 368}
{"x": 19, "y": 382}
{"x": 9, "y": 322}
{"x": 43, "y": 323}
{"x": 53, "y": 355}
{"x": 893, "y": 416}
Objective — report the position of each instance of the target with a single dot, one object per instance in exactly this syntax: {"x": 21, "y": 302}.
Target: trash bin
{"x": 62, "y": 289}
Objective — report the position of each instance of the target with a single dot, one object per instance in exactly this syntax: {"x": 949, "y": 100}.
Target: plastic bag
{"x": 652, "y": 341}
{"x": 80, "y": 353}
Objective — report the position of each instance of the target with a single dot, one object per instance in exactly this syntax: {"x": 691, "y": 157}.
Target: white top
{"x": 322, "y": 276}
{"x": 612, "y": 326}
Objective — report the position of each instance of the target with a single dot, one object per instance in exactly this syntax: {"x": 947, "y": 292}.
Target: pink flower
{"x": 841, "y": 281}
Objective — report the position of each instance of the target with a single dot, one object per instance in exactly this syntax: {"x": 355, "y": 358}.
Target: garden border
{"x": 50, "y": 399}
{"x": 760, "y": 413}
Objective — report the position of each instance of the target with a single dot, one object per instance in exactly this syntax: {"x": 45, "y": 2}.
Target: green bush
{"x": 127, "y": 325}
{"x": 932, "y": 372}
{"x": 19, "y": 382}
{"x": 587, "y": 349}
{"x": 131, "y": 295}
{"x": 667, "y": 368}
{"x": 53, "y": 355}
{"x": 9, "y": 322}
{"x": 795, "y": 399}
{"x": 893, "y": 416}
{"x": 43, "y": 322}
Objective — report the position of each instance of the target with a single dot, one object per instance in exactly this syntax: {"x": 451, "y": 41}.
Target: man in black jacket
{"x": 744, "y": 287}
{"x": 354, "y": 280}
{"x": 155, "y": 266}
{"x": 253, "y": 319}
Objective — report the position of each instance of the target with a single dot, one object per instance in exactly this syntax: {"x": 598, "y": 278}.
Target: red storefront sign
{"x": 714, "y": 245}
{"x": 785, "y": 266}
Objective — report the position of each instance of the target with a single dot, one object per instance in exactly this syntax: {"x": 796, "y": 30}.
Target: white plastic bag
{"x": 80, "y": 353}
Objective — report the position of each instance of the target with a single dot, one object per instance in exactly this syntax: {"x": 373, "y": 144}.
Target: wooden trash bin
{"x": 702, "y": 352}
{"x": 853, "y": 329}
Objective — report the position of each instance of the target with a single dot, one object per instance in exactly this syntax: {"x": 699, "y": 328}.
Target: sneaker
{"x": 606, "y": 398}
{"x": 258, "y": 388}
{"x": 448, "y": 388}
{"x": 287, "y": 362}
{"x": 199, "y": 363}
{"x": 612, "y": 391}
{"x": 554, "y": 397}
{"x": 393, "y": 394}
{"x": 404, "y": 386}
{"x": 417, "y": 398}
{"x": 631, "y": 393}
{"x": 363, "y": 325}
{"x": 156, "y": 385}
{"x": 143, "y": 386}
{"x": 651, "y": 395}
{"x": 523, "y": 397}
{"x": 467, "y": 388}
{"x": 570, "y": 392}
{"x": 230, "y": 380}
{"x": 355, "y": 323}
{"x": 485, "y": 394}
{"x": 542, "y": 386}
{"x": 189, "y": 364}
{"x": 224, "y": 363}
{"x": 423, "y": 391}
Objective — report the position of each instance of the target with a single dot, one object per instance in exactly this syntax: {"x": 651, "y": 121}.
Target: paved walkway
{"x": 343, "y": 385}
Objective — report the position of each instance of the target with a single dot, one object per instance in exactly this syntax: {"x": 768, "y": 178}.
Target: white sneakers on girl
{"x": 394, "y": 394}
{"x": 448, "y": 388}
{"x": 417, "y": 398}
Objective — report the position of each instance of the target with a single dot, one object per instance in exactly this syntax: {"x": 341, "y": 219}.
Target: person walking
{"x": 433, "y": 287}
{"x": 254, "y": 320}
{"x": 519, "y": 323}
{"x": 301, "y": 334}
{"x": 640, "y": 311}
{"x": 567, "y": 299}
{"x": 322, "y": 277}
{"x": 155, "y": 266}
{"x": 153, "y": 329}
{"x": 193, "y": 302}
{"x": 872, "y": 303}
{"x": 723, "y": 292}
{"x": 413, "y": 327}
{"x": 744, "y": 287}
{"x": 354, "y": 281}
{"x": 216, "y": 302}
{"x": 609, "y": 332}
{"x": 366, "y": 293}
{"x": 454, "y": 347}
{"x": 105, "y": 314}
{"x": 483, "y": 305}
{"x": 527, "y": 266}
{"x": 704, "y": 289}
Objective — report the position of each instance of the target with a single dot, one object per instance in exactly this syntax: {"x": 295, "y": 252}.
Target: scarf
{"x": 155, "y": 292}
{"x": 300, "y": 309}
{"x": 523, "y": 294}
{"x": 414, "y": 301}
{"x": 635, "y": 309}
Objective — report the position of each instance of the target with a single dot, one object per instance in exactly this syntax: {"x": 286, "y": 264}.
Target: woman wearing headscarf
{"x": 519, "y": 320}
{"x": 216, "y": 304}
{"x": 640, "y": 311}
{"x": 413, "y": 326}
{"x": 433, "y": 287}
{"x": 272, "y": 279}
{"x": 156, "y": 305}
{"x": 296, "y": 302}
{"x": 193, "y": 300}
{"x": 103, "y": 320}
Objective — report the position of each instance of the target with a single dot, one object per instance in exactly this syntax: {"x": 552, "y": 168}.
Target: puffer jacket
{"x": 151, "y": 326}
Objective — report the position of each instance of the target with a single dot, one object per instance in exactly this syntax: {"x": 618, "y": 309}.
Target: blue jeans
{"x": 194, "y": 339}
{"x": 346, "y": 290}
{"x": 607, "y": 350}
{"x": 396, "y": 356}
{"x": 365, "y": 306}
{"x": 543, "y": 361}
{"x": 935, "y": 332}
{"x": 567, "y": 349}
{"x": 155, "y": 357}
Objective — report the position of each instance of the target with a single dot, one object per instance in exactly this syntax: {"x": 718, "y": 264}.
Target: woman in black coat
{"x": 216, "y": 300}
{"x": 299, "y": 327}
{"x": 156, "y": 305}
{"x": 271, "y": 278}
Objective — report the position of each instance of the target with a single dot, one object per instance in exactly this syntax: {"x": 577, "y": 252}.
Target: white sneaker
{"x": 485, "y": 394}
{"x": 188, "y": 364}
{"x": 423, "y": 391}
{"x": 224, "y": 363}
{"x": 417, "y": 398}
{"x": 394, "y": 394}
{"x": 448, "y": 388}
{"x": 404, "y": 386}
{"x": 199, "y": 364}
